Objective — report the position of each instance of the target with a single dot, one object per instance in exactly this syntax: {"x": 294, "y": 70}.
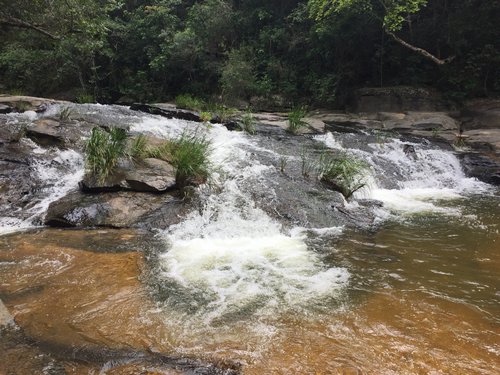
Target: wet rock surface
{"x": 118, "y": 210}
{"x": 147, "y": 175}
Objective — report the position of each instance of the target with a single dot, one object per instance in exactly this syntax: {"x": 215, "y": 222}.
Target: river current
{"x": 416, "y": 293}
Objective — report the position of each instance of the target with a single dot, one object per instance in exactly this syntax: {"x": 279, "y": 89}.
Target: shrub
{"x": 296, "y": 120}
{"x": 343, "y": 173}
{"x": 186, "y": 101}
{"x": 190, "y": 156}
{"x": 248, "y": 122}
{"x": 103, "y": 150}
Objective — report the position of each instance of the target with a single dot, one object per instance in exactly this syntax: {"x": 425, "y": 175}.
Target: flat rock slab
{"x": 116, "y": 210}
{"x": 46, "y": 132}
{"x": 21, "y": 103}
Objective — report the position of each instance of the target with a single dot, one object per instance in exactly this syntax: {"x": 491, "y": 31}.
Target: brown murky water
{"x": 423, "y": 298}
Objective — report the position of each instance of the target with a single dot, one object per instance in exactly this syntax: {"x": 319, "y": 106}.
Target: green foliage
{"x": 283, "y": 163}
{"x": 85, "y": 97}
{"x": 238, "y": 78}
{"x": 342, "y": 172}
{"x": 248, "y": 122}
{"x": 205, "y": 117}
{"x": 103, "y": 150}
{"x": 186, "y": 101}
{"x": 310, "y": 51}
{"x": 138, "y": 149}
{"x": 190, "y": 156}
{"x": 224, "y": 112}
{"x": 296, "y": 120}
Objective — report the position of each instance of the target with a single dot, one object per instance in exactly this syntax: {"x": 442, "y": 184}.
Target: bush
{"x": 343, "y": 173}
{"x": 296, "y": 120}
{"x": 103, "y": 150}
{"x": 190, "y": 156}
{"x": 186, "y": 101}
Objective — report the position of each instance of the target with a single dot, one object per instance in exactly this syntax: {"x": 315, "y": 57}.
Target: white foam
{"x": 58, "y": 177}
{"x": 424, "y": 181}
{"x": 233, "y": 253}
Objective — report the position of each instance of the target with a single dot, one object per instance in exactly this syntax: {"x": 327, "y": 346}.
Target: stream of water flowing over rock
{"x": 270, "y": 270}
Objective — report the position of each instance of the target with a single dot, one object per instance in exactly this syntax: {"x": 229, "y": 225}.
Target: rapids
{"x": 276, "y": 287}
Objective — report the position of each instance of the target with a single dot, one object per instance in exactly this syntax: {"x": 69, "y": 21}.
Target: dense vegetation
{"x": 294, "y": 52}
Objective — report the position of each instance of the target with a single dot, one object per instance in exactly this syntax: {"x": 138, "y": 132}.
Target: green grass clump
{"x": 205, "y": 117}
{"x": 103, "y": 150}
{"x": 248, "y": 122}
{"x": 190, "y": 156}
{"x": 65, "y": 113}
{"x": 138, "y": 148}
{"x": 296, "y": 120}
{"x": 186, "y": 101}
{"x": 343, "y": 173}
{"x": 85, "y": 97}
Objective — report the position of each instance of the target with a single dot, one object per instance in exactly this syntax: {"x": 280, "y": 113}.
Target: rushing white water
{"x": 231, "y": 252}
{"x": 425, "y": 181}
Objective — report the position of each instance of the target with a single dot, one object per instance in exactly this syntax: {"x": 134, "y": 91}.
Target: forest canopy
{"x": 315, "y": 51}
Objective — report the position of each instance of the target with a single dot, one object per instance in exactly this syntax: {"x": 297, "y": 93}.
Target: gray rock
{"x": 481, "y": 114}
{"x": 46, "y": 132}
{"x": 149, "y": 175}
{"x": 167, "y": 111}
{"x": 5, "y": 108}
{"x": 397, "y": 99}
{"x": 118, "y": 210}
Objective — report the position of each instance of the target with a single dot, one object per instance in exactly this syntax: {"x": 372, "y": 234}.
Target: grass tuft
{"x": 186, "y": 101}
{"x": 296, "y": 120}
{"x": 103, "y": 150}
{"x": 342, "y": 172}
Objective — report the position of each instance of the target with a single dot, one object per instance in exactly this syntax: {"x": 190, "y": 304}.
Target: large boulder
{"x": 481, "y": 114}
{"x": 117, "y": 210}
{"x": 397, "y": 99}
{"x": 148, "y": 175}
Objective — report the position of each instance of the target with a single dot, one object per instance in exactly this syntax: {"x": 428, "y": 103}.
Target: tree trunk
{"x": 420, "y": 51}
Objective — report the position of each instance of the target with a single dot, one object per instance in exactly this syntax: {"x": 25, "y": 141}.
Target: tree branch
{"x": 421, "y": 51}
{"x": 15, "y": 22}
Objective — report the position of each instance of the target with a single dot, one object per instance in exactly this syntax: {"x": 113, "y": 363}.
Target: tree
{"x": 392, "y": 13}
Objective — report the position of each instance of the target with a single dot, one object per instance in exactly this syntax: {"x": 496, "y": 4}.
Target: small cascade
{"x": 230, "y": 255}
{"x": 410, "y": 177}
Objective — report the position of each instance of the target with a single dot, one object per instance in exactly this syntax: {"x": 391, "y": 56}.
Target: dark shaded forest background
{"x": 153, "y": 50}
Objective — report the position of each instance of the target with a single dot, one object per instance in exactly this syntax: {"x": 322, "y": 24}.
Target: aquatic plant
{"x": 342, "y": 172}
{"x": 248, "y": 122}
{"x": 103, "y": 150}
{"x": 189, "y": 154}
{"x": 205, "y": 117}
{"x": 283, "y": 163}
{"x": 307, "y": 163}
{"x": 296, "y": 120}
{"x": 65, "y": 113}
{"x": 138, "y": 148}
